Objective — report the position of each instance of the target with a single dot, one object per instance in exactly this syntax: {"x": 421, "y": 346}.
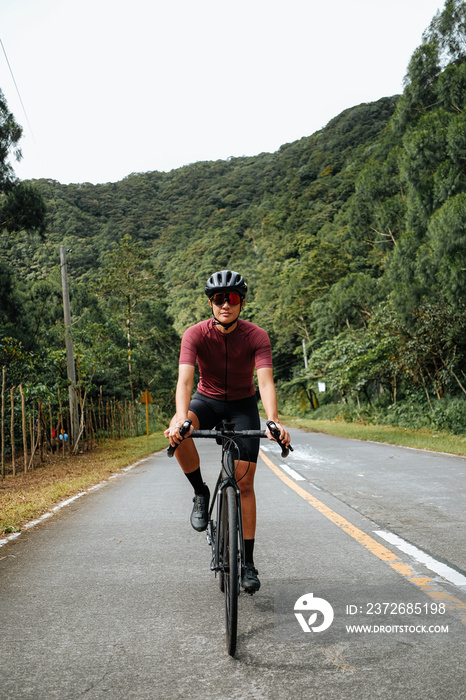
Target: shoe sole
{"x": 251, "y": 591}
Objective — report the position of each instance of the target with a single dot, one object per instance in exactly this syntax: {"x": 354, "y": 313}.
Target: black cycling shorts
{"x": 243, "y": 413}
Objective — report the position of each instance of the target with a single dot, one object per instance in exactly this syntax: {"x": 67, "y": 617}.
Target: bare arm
{"x": 184, "y": 389}
{"x": 269, "y": 400}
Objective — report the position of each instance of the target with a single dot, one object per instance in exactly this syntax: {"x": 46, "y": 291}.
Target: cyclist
{"x": 227, "y": 350}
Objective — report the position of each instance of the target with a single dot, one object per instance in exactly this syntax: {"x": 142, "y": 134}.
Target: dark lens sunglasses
{"x": 231, "y": 297}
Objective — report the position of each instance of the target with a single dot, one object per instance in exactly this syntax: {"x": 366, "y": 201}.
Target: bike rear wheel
{"x": 230, "y": 567}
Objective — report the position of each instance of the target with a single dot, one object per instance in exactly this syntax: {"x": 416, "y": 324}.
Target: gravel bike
{"x": 225, "y": 533}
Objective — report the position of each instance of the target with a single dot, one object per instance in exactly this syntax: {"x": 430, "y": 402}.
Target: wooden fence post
{"x": 31, "y": 435}
{"x": 12, "y": 431}
{"x": 107, "y": 419}
{"x": 2, "y": 421}
{"x": 51, "y": 426}
{"x": 25, "y": 441}
{"x": 60, "y": 426}
{"x": 100, "y": 415}
{"x": 39, "y": 432}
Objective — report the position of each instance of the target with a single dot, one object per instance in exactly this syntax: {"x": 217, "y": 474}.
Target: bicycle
{"x": 225, "y": 534}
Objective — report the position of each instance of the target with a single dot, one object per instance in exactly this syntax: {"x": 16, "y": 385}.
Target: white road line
{"x": 291, "y": 472}
{"x": 439, "y": 567}
{"x": 294, "y": 475}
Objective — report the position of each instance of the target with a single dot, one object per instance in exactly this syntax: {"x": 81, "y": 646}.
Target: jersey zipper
{"x": 226, "y": 367}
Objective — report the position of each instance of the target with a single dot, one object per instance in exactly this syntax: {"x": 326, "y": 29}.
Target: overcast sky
{"x": 111, "y": 87}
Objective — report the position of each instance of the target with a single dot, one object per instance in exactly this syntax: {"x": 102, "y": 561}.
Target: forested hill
{"x": 263, "y": 215}
{"x": 211, "y": 215}
{"x": 352, "y": 239}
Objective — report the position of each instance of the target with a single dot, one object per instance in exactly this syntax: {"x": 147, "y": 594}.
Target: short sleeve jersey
{"x": 226, "y": 360}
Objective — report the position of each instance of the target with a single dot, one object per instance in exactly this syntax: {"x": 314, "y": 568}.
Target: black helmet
{"x": 226, "y": 281}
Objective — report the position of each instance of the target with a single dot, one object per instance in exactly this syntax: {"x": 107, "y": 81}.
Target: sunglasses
{"x": 231, "y": 297}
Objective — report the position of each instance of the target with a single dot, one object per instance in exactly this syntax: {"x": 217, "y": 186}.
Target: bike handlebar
{"x": 231, "y": 433}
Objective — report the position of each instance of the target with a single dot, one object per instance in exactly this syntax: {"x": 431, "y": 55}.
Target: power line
{"x": 19, "y": 94}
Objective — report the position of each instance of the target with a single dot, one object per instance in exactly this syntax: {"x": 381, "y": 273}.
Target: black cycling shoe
{"x": 200, "y": 512}
{"x": 250, "y": 581}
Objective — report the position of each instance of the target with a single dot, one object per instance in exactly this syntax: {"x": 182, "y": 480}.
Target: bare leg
{"x": 188, "y": 459}
{"x": 245, "y": 472}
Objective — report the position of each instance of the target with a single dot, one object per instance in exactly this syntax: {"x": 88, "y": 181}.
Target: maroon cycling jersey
{"x": 226, "y": 360}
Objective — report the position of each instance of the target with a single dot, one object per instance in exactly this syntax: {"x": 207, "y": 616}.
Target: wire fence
{"x": 32, "y": 428}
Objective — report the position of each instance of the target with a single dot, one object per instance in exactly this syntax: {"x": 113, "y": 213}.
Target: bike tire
{"x": 221, "y": 581}
{"x": 231, "y": 581}
{"x": 228, "y": 468}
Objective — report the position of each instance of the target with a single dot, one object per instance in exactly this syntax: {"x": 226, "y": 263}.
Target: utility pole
{"x": 304, "y": 353}
{"x": 69, "y": 348}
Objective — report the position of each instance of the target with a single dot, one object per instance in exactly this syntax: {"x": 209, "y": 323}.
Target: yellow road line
{"x": 379, "y": 550}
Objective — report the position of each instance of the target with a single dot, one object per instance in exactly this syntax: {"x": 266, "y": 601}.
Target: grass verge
{"x": 28, "y": 496}
{"x": 436, "y": 441}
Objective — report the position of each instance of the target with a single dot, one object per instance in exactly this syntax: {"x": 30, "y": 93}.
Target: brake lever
{"x": 183, "y": 430}
{"x": 276, "y": 434}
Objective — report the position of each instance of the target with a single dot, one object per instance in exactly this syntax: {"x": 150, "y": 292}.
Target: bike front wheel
{"x": 230, "y": 567}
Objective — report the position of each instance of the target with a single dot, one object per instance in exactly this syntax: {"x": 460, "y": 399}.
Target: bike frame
{"x": 225, "y": 436}
{"x": 228, "y": 553}
{"x": 226, "y": 478}
{"x": 225, "y": 536}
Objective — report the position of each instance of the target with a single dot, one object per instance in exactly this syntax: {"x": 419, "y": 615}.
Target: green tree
{"x": 10, "y": 135}
{"x": 21, "y": 207}
{"x": 442, "y": 260}
{"x": 128, "y": 279}
{"x": 448, "y": 31}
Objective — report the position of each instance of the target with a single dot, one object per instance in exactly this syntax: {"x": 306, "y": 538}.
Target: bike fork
{"x": 213, "y": 531}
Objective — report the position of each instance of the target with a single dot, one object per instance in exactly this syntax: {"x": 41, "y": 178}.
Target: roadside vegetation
{"x": 425, "y": 439}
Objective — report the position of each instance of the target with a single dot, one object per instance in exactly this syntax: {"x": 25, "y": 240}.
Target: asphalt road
{"x": 112, "y": 597}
